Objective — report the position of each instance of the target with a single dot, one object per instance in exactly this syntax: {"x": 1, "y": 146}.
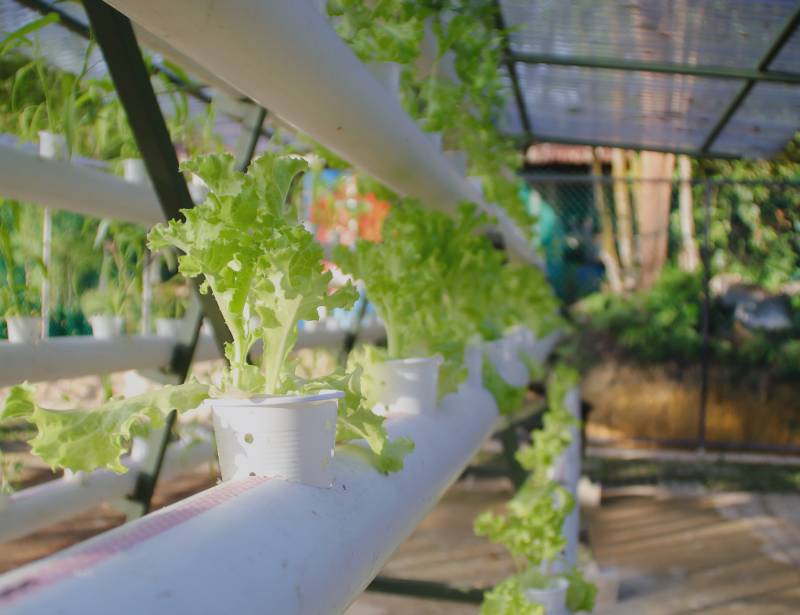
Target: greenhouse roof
{"x": 702, "y": 77}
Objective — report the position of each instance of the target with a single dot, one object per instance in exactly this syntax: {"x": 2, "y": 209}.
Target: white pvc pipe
{"x": 263, "y": 545}
{"x": 284, "y": 55}
{"x": 51, "y": 502}
{"x": 570, "y": 462}
{"x": 61, "y": 185}
{"x": 73, "y": 357}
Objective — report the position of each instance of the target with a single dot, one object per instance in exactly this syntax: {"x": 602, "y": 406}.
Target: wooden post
{"x": 608, "y": 250}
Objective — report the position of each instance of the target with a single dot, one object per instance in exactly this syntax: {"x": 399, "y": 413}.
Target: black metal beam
{"x": 788, "y": 28}
{"x": 433, "y": 590}
{"x": 712, "y": 72}
{"x": 511, "y": 67}
{"x": 114, "y": 34}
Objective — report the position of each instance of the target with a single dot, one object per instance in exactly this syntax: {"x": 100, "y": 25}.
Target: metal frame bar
{"x": 511, "y": 67}
{"x": 115, "y": 36}
{"x": 432, "y": 590}
{"x": 526, "y": 140}
{"x": 668, "y": 68}
{"x": 772, "y": 51}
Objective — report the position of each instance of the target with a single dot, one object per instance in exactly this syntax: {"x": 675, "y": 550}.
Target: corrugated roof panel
{"x": 764, "y": 122}
{"x": 731, "y": 33}
{"x": 614, "y": 106}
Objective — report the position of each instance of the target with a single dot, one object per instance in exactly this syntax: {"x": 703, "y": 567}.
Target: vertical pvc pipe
{"x": 572, "y": 458}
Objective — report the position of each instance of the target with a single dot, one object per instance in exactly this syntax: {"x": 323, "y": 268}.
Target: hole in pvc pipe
{"x": 248, "y": 437}
{"x": 252, "y": 473}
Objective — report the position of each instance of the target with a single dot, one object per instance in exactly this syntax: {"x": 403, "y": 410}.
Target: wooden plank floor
{"x": 679, "y": 555}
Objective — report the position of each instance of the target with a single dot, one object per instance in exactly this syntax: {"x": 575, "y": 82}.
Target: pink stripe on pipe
{"x": 68, "y": 565}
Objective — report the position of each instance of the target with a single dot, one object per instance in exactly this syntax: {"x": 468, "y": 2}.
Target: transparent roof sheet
{"x": 759, "y": 125}
{"x": 621, "y": 107}
{"x": 733, "y": 33}
{"x": 640, "y": 108}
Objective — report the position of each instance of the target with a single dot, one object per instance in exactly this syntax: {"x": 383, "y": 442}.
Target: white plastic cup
{"x": 52, "y": 146}
{"x": 553, "y": 599}
{"x": 105, "y": 326}
{"x": 407, "y": 386}
{"x": 503, "y": 355}
{"x": 388, "y": 73}
{"x": 291, "y": 438}
{"x": 24, "y": 329}
{"x": 134, "y": 171}
{"x": 168, "y": 327}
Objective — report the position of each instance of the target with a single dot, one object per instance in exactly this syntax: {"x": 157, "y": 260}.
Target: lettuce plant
{"x": 424, "y": 283}
{"x": 265, "y": 272}
{"x": 384, "y": 31}
{"x": 530, "y": 526}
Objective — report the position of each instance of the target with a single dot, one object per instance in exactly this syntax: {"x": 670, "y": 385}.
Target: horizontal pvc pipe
{"x": 284, "y": 55}
{"x": 62, "y": 185}
{"x": 263, "y": 545}
{"x": 54, "y": 501}
{"x": 73, "y": 357}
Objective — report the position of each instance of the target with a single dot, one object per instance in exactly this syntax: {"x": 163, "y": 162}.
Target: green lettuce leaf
{"x": 508, "y": 397}
{"x": 262, "y": 266}
{"x": 508, "y": 598}
{"x": 96, "y": 438}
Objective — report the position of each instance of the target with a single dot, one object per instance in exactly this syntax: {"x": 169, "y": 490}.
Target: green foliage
{"x": 22, "y": 267}
{"x": 580, "y": 593}
{"x": 664, "y": 325}
{"x": 384, "y": 31}
{"x": 262, "y": 266}
{"x": 530, "y": 526}
{"x": 508, "y": 397}
{"x": 464, "y": 106}
{"x": 656, "y": 324}
{"x": 508, "y": 598}
{"x": 96, "y": 438}
{"x": 755, "y": 228}
{"x": 170, "y": 298}
{"x": 422, "y": 279}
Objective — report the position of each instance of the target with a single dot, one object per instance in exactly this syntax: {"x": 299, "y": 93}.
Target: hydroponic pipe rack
{"x": 64, "y": 185}
{"x": 38, "y": 507}
{"x": 264, "y": 545}
{"x": 284, "y": 55}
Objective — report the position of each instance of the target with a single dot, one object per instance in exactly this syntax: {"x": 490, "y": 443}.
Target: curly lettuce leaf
{"x": 530, "y": 527}
{"x": 508, "y": 598}
{"x": 262, "y": 266}
{"x": 96, "y": 438}
{"x": 580, "y": 592}
{"x": 508, "y": 397}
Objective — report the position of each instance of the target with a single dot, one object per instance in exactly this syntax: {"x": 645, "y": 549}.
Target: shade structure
{"x": 701, "y": 77}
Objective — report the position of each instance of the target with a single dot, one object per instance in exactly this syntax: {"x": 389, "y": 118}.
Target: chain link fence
{"x": 696, "y": 283}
